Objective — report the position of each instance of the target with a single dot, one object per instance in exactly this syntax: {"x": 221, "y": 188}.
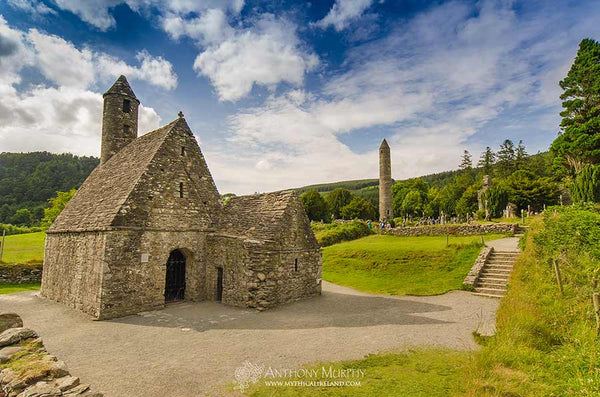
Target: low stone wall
{"x": 457, "y": 230}
{"x": 473, "y": 275}
{"x": 30, "y": 371}
{"x": 19, "y": 274}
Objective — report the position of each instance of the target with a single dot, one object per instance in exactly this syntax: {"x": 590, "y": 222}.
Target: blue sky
{"x": 287, "y": 93}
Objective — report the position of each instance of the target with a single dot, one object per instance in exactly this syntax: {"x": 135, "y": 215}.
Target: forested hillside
{"x": 28, "y": 180}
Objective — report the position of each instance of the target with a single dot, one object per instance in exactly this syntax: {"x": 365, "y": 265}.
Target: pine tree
{"x": 520, "y": 156}
{"x": 506, "y": 158}
{"x": 466, "y": 163}
{"x": 578, "y": 143}
{"x": 486, "y": 161}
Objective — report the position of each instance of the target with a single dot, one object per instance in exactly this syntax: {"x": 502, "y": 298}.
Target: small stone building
{"x": 147, "y": 227}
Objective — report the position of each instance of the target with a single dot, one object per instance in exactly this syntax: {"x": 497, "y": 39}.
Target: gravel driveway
{"x": 193, "y": 349}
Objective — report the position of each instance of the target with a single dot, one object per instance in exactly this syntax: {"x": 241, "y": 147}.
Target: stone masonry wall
{"x": 73, "y": 269}
{"x": 473, "y": 275}
{"x": 20, "y": 273}
{"x": 458, "y": 230}
{"x": 135, "y": 274}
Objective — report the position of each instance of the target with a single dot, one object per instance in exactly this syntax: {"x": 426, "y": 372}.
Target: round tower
{"x": 386, "y": 210}
{"x": 119, "y": 118}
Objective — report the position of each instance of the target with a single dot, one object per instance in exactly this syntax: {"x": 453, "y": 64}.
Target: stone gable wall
{"x": 155, "y": 200}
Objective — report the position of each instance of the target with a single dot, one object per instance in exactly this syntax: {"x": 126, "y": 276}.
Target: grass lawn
{"x": 24, "y": 248}
{"x": 423, "y": 372}
{"x": 402, "y": 265}
{"x": 12, "y": 288}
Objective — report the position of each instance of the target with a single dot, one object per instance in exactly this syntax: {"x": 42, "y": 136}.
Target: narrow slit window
{"x": 126, "y": 106}
{"x": 180, "y": 189}
{"x": 183, "y": 150}
{"x": 296, "y": 264}
{"x": 125, "y": 129}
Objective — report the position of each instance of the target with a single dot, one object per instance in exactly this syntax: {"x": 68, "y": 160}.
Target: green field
{"x": 12, "y": 288}
{"x": 402, "y": 265}
{"x": 24, "y": 248}
{"x": 417, "y": 373}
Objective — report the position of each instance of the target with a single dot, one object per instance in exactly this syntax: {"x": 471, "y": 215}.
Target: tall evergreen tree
{"x": 486, "y": 161}
{"x": 506, "y": 158}
{"x": 520, "y": 156}
{"x": 466, "y": 163}
{"x": 578, "y": 143}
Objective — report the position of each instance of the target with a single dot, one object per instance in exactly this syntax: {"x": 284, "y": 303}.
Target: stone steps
{"x": 493, "y": 278}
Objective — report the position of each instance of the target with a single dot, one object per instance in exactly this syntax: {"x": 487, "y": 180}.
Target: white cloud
{"x": 209, "y": 28}
{"x": 94, "y": 12}
{"x": 434, "y": 83}
{"x": 343, "y": 12}
{"x": 65, "y": 117}
{"x": 34, "y": 7}
{"x": 98, "y": 12}
{"x": 154, "y": 70}
{"x": 266, "y": 54}
{"x": 85, "y": 67}
{"x": 52, "y": 55}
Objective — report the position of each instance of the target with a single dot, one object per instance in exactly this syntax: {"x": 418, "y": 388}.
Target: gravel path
{"x": 193, "y": 349}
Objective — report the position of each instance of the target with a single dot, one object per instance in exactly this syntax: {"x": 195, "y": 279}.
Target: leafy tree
{"x": 466, "y": 164}
{"x": 467, "y": 203}
{"x": 22, "y": 217}
{"x": 579, "y": 140}
{"x": 486, "y": 161}
{"x": 586, "y": 186}
{"x": 506, "y": 158}
{"x": 413, "y": 203}
{"x": 336, "y": 199}
{"x": 401, "y": 189}
{"x": 57, "y": 204}
{"x": 520, "y": 156}
{"x": 315, "y": 205}
{"x": 497, "y": 200}
{"x": 524, "y": 189}
{"x": 358, "y": 208}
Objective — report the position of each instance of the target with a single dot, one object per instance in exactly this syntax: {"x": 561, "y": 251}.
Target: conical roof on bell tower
{"x": 121, "y": 87}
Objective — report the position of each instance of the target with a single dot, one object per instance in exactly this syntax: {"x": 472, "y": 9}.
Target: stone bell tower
{"x": 119, "y": 118}
{"x": 386, "y": 210}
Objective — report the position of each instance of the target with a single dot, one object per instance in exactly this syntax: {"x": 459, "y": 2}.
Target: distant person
{"x": 369, "y": 224}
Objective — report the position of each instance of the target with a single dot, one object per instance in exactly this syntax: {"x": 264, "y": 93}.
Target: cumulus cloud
{"x": 33, "y": 7}
{"x": 433, "y": 85}
{"x": 343, "y": 12}
{"x": 209, "y": 28}
{"x": 266, "y": 54}
{"x": 154, "y": 70}
{"x": 64, "y": 117}
{"x": 98, "y": 12}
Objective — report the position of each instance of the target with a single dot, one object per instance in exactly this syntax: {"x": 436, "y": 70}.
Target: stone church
{"x": 147, "y": 227}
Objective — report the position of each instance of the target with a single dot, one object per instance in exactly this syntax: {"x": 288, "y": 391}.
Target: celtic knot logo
{"x": 246, "y": 374}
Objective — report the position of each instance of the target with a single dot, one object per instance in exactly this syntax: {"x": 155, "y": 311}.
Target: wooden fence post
{"x": 596, "y": 299}
{"x": 2, "y": 244}
{"x": 557, "y": 272}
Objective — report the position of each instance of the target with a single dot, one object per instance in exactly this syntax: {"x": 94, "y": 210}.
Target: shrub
{"x": 12, "y": 229}
{"x": 336, "y": 233}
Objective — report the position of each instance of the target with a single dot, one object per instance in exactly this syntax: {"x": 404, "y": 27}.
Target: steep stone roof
{"x": 99, "y": 199}
{"x": 259, "y": 216}
{"x": 121, "y": 87}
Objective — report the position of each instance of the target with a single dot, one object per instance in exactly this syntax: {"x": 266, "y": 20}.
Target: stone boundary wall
{"x": 473, "y": 275}
{"x": 29, "y": 370}
{"x": 457, "y": 230}
{"x": 19, "y": 273}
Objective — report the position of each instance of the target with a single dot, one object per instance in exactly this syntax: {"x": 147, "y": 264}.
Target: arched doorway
{"x": 175, "y": 280}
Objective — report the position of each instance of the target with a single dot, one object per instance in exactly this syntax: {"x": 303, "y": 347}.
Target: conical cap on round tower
{"x": 121, "y": 87}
